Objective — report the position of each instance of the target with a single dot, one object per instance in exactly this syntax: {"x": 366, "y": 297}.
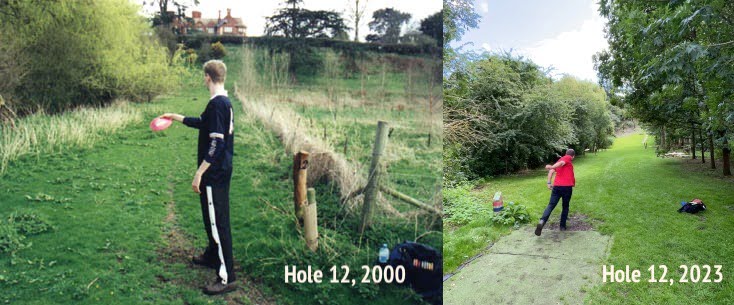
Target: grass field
{"x": 125, "y": 221}
{"x": 627, "y": 193}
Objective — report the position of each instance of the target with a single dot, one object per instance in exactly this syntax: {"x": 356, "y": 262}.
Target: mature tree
{"x": 292, "y": 21}
{"x": 163, "y": 16}
{"x": 356, "y": 12}
{"x": 432, "y": 26}
{"x": 674, "y": 58}
{"x": 387, "y": 24}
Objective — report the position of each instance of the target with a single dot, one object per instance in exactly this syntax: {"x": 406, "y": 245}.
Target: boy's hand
{"x": 548, "y": 166}
{"x": 172, "y": 116}
{"x": 195, "y": 184}
{"x": 550, "y": 186}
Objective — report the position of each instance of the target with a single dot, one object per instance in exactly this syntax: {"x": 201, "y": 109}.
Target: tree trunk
{"x": 693, "y": 141}
{"x": 725, "y": 154}
{"x": 711, "y": 150}
{"x": 703, "y": 146}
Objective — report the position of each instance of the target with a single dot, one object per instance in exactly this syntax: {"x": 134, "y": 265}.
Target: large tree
{"x": 292, "y": 21}
{"x": 356, "y": 13}
{"x": 432, "y": 27}
{"x": 387, "y": 24}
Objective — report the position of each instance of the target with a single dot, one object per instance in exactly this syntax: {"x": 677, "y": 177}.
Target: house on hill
{"x": 226, "y": 25}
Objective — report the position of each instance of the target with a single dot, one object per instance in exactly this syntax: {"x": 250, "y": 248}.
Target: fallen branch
{"x": 410, "y": 200}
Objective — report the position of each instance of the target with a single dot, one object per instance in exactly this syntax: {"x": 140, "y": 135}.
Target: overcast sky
{"x": 562, "y": 34}
{"x": 253, "y": 13}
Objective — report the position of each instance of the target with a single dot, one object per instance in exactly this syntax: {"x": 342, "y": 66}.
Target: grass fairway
{"x": 126, "y": 221}
{"x": 633, "y": 196}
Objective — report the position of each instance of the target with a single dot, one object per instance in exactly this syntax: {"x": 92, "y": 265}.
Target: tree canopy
{"x": 672, "y": 59}
{"x": 387, "y": 24}
{"x": 292, "y": 21}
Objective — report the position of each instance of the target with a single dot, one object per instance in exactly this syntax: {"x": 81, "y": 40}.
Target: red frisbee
{"x": 159, "y": 124}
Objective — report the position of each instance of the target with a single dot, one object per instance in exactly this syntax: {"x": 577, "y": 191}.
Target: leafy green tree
{"x": 84, "y": 53}
{"x": 673, "y": 59}
{"x": 387, "y": 23}
{"x": 293, "y": 21}
{"x": 432, "y": 27}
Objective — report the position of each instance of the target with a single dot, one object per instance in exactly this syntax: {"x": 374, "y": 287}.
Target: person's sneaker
{"x": 218, "y": 288}
{"x": 539, "y": 227}
{"x": 201, "y": 260}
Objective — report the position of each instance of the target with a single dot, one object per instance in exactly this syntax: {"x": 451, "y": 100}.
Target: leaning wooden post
{"x": 310, "y": 224}
{"x": 370, "y": 191}
{"x": 300, "y": 176}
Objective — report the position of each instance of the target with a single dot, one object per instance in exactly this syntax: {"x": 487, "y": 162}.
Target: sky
{"x": 559, "y": 34}
{"x": 253, "y": 13}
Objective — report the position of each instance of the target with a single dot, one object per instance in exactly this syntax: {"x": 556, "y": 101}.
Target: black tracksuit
{"x": 216, "y": 138}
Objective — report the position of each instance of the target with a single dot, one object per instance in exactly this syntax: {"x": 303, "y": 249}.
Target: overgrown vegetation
{"x": 503, "y": 114}
{"x": 78, "y": 53}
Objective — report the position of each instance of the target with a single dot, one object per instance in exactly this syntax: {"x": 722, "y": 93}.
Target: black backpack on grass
{"x": 693, "y": 207}
{"x": 423, "y": 268}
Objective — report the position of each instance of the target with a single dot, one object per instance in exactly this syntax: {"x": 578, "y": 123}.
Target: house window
{"x": 210, "y": 30}
{"x": 228, "y": 29}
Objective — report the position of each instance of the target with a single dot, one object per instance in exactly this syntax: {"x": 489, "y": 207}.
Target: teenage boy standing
{"x": 216, "y": 135}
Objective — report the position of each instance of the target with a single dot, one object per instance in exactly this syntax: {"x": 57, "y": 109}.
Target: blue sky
{"x": 563, "y": 34}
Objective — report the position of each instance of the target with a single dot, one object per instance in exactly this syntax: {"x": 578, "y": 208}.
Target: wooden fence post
{"x": 310, "y": 225}
{"x": 370, "y": 191}
{"x": 300, "y": 176}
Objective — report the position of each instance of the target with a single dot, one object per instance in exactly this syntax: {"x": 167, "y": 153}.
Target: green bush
{"x": 85, "y": 53}
{"x": 513, "y": 214}
{"x": 218, "y": 51}
{"x": 460, "y": 206}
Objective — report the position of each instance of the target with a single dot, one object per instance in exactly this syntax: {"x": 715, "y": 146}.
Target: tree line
{"x": 504, "y": 113}
{"x": 670, "y": 64}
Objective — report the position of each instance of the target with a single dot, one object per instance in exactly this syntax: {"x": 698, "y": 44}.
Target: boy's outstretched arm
{"x": 194, "y": 122}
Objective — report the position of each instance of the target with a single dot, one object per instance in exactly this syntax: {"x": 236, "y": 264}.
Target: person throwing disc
{"x": 212, "y": 178}
{"x": 561, "y": 188}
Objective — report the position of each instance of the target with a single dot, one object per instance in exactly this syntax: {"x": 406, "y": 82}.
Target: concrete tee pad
{"x": 521, "y": 268}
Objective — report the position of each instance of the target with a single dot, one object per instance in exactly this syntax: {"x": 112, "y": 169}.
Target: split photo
{"x": 220, "y": 152}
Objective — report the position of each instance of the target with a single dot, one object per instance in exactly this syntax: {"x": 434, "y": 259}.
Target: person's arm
{"x": 549, "y": 183}
{"x": 557, "y": 165}
{"x": 215, "y": 118}
{"x": 194, "y": 122}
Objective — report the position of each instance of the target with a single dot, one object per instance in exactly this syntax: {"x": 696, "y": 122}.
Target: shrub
{"x": 218, "y": 51}
{"x": 460, "y": 206}
{"x": 513, "y": 214}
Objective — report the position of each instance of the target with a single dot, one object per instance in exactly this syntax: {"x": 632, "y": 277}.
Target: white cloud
{"x": 570, "y": 52}
{"x": 484, "y": 6}
{"x": 486, "y": 47}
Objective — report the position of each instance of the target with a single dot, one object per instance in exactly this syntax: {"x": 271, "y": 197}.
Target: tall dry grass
{"x": 41, "y": 133}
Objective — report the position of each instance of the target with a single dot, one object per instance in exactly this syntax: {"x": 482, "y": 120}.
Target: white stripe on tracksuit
{"x": 215, "y": 235}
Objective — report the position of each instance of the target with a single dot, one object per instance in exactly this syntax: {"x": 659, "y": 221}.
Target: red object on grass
{"x": 159, "y": 124}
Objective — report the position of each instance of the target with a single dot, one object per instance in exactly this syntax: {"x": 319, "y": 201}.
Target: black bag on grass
{"x": 423, "y": 267}
{"x": 693, "y": 207}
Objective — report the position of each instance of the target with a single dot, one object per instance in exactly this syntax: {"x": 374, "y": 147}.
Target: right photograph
{"x": 586, "y": 152}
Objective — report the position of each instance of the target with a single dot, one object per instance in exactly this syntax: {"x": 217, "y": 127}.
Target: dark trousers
{"x": 219, "y": 248}
{"x": 558, "y": 193}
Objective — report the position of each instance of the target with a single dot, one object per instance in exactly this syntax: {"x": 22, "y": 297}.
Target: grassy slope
{"x": 633, "y": 196}
{"x": 109, "y": 230}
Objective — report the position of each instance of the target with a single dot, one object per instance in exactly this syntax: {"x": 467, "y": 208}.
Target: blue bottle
{"x": 384, "y": 254}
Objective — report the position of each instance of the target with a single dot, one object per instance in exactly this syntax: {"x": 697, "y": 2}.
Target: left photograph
{"x": 221, "y": 152}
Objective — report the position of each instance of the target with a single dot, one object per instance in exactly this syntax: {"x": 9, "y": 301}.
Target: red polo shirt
{"x": 564, "y": 174}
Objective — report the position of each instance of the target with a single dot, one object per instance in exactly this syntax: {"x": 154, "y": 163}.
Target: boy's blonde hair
{"x": 216, "y": 69}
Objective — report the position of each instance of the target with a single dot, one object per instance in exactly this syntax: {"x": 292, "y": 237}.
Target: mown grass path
{"x": 628, "y": 193}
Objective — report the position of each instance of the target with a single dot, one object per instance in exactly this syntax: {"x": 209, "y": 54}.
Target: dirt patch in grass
{"x": 180, "y": 249}
{"x": 575, "y": 222}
